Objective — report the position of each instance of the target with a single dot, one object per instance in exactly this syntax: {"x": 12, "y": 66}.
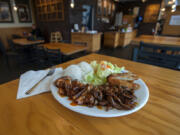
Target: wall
{"x": 7, "y": 33}
{"x": 76, "y": 15}
{"x": 170, "y": 29}
{"x": 72, "y": 16}
{"x": 62, "y": 26}
{"x": 16, "y": 23}
{"x": 127, "y": 8}
{"x": 15, "y": 27}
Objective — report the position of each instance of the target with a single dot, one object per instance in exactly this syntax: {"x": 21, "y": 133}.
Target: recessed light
{"x": 163, "y": 9}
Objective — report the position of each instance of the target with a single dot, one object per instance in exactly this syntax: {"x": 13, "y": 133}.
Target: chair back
{"x": 56, "y": 37}
{"x": 37, "y": 57}
{"x": 164, "y": 56}
{"x": 54, "y": 56}
{"x": 15, "y": 36}
{"x": 39, "y": 52}
{"x": 11, "y": 44}
{"x": 2, "y": 48}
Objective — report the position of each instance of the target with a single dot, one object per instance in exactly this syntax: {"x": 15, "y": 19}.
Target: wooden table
{"x": 66, "y": 49}
{"x": 159, "y": 40}
{"x": 25, "y": 42}
{"x": 43, "y": 115}
{"x": 92, "y": 40}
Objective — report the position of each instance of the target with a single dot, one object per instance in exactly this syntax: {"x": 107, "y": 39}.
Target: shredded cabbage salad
{"x": 100, "y": 72}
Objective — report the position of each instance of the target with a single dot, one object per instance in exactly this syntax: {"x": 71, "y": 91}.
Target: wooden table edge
{"x": 80, "y": 50}
{"x": 40, "y": 42}
{"x": 133, "y": 42}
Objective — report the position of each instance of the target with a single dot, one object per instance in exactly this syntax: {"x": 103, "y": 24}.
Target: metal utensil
{"x": 51, "y": 72}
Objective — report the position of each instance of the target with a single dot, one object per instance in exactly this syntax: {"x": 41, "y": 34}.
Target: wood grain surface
{"x": 171, "y": 29}
{"x": 43, "y": 115}
{"x": 66, "y": 49}
{"x": 8, "y": 32}
{"x": 159, "y": 40}
{"x": 93, "y": 41}
{"x": 24, "y": 41}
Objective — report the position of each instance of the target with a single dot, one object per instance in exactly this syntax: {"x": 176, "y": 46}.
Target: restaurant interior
{"x": 87, "y": 67}
{"x": 37, "y": 34}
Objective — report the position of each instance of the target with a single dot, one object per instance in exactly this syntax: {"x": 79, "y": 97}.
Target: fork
{"x": 51, "y": 72}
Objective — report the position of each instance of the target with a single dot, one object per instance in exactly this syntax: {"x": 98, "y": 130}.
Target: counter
{"x": 114, "y": 39}
{"x": 91, "y": 40}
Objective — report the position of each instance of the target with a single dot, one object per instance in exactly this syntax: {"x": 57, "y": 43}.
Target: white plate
{"x": 142, "y": 98}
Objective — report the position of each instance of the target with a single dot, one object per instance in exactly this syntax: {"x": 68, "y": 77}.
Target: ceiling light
{"x": 173, "y": 10}
{"x": 72, "y": 4}
{"x": 170, "y": 2}
{"x": 15, "y": 8}
{"x": 163, "y": 9}
{"x": 105, "y": 3}
{"x": 143, "y": 1}
{"x": 173, "y": 6}
{"x": 14, "y": 5}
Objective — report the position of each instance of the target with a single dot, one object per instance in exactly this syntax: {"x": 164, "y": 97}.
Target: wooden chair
{"x": 15, "y": 48}
{"x": 9, "y": 55}
{"x": 56, "y": 37}
{"x": 38, "y": 57}
{"x": 164, "y": 56}
{"x": 15, "y": 36}
{"x": 54, "y": 56}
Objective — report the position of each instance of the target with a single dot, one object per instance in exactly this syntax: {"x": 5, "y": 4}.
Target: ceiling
{"x": 127, "y": 0}
{"x": 166, "y": 1}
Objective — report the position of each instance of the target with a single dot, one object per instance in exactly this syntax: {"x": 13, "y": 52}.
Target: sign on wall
{"x": 24, "y": 14}
{"x": 151, "y": 13}
{"x": 175, "y": 20}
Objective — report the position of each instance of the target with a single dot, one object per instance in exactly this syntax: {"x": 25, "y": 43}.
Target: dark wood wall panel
{"x": 76, "y": 15}
{"x": 126, "y": 8}
{"x": 71, "y": 16}
{"x": 62, "y": 26}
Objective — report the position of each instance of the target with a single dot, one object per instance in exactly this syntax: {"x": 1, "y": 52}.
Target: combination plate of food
{"x": 99, "y": 89}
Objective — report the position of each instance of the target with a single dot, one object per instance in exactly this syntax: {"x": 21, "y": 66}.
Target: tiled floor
{"x": 7, "y": 75}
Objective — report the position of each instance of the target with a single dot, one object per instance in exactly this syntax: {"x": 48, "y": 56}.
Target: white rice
{"x": 73, "y": 71}
{"x": 85, "y": 67}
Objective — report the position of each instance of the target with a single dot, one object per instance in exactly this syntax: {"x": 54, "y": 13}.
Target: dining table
{"x": 66, "y": 48}
{"x": 43, "y": 115}
{"x": 158, "y": 40}
{"x": 26, "y": 42}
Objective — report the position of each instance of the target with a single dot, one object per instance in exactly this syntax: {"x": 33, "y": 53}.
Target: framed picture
{"x": 24, "y": 14}
{"x": 151, "y": 13}
{"x": 5, "y": 12}
{"x": 99, "y": 7}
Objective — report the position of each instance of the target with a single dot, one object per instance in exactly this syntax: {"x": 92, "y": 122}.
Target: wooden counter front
{"x": 111, "y": 39}
{"x": 93, "y": 41}
{"x": 114, "y": 39}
